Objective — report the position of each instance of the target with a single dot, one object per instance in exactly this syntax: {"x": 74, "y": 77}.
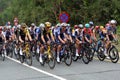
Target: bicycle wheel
{"x": 51, "y": 62}
{"x": 28, "y": 58}
{"x": 100, "y": 54}
{"x": 11, "y": 52}
{"x": 16, "y": 54}
{"x": 2, "y": 55}
{"x": 37, "y": 55}
{"x": 91, "y": 54}
{"x": 68, "y": 57}
{"x": 73, "y": 50}
{"x": 85, "y": 57}
{"x": 113, "y": 54}
{"x": 21, "y": 58}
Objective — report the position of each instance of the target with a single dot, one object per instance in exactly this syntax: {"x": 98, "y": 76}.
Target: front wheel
{"x": 113, "y": 54}
{"x": 21, "y": 58}
{"x": 2, "y": 55}
{"x": 29, "y": 59}
{"x": 85, "y": 57}
{"x": 100, "y": 54}
{"x": 68, "y": 58}
{"x": 51, "y": 62}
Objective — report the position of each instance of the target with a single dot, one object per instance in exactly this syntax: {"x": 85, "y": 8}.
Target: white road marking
{"x": 39, "y": 70}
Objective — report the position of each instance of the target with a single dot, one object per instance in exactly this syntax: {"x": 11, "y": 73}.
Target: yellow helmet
{"x": 101, "y": 27}
{"x": 47, "y": 24}
{"x": 23, "y": 25}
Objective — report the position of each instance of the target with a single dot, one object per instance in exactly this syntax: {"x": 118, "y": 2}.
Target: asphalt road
{"x": 11, "y": 69}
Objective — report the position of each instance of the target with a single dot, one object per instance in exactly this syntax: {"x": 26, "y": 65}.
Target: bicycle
{"x": 2, "y": 54}
{"x": 65, "y": 54}
{"x": 112, "y": 52}
{"x": 26, "y": 56}
{"x": 9, "y": 48}
{"x": 48, "y": 56}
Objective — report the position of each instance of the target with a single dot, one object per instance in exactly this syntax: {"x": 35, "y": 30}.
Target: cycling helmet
{"x": 18, "y": 26}
{"x": 0, "y": 28}
{"x": 64, "y": 24}
{"x": 113, "y": 22}
{"x": 101, "y": 27}
{"x": 58, "y": 25}
{"x": 107, "y": 25}
{"x": 91, "y": 23}
{"x": 42, "y": 25}
{"x": 23, "y": 25}
{"x": 97, "y": 27}
{"x": 80, "y": 26}
{"x": 47, "y": 24}
{"x": 33, "y": 24}
{"x": 87, "y": 25}
{"x": 68, "y": 25}
{"x": 75, "y": 26}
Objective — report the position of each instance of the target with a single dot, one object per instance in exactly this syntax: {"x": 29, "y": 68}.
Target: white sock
{"x": 38, "y": 50}
{"x": 21, "y": 53}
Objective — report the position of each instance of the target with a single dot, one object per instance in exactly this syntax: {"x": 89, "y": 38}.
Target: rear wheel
{"x": 51, "y": 62}
{"x": 29, "y": 59}
{"x": 68, "y": 58}
{"x": 100, "y": 54}
{"x": 113, "y": 54}
{"x": 85, "y": 57}
{"x": 21, "y": 58}
{"x": 2, "y": 55}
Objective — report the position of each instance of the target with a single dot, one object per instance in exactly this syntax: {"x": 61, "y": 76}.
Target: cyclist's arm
{"x": 29, "y": 36}
{"x": 60, "y": 39}
{"x": 53, "y": 39}
{"x": 20, "y": 39}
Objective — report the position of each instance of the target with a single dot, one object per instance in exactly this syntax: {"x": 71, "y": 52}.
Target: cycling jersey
{"x": 32, "y": 33}
{"x": 61, "y": 33}
{"x": 7, "y": 35}
{"x": 79, "y": 34}
{"x": 22, "y": 34}
{"x": 87, "y": 33}
{"x": 46, "y": 33}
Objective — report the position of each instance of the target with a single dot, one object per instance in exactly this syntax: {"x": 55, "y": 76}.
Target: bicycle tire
{"x": 52, "y": 59}
{"x": 114, "y": 56}
{"x": 29, "y": 59}
{"x": 21, "y": 58}
{"x": 85, "y": 57}
{"x": 100, "y": 53}
{"x": 68, "y": 57}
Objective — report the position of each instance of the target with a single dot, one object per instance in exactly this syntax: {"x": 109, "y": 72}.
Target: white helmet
{"x": 63, "y": 24}
{"x": 68, "y": 25}
{"x": 113, "y": 22}
{"x": 18, "y": 26}
{"x": 58, "y": 25}
{"x": 80, "y": 26}
{"x": 42, "y": 25}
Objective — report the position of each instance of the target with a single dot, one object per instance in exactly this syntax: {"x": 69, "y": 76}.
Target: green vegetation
{"x": 81, "y": 11}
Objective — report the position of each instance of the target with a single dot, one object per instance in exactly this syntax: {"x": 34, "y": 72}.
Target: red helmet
{"x": 107, "y": 24}
{"x": 75, "y": 26}
{"x": 97, "y": 27}
{"x": 0, "y": 28}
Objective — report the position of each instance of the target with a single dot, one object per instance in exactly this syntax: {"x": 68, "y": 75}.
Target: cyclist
{"x": 105, "y": 39}
{"x": 87, "y": 33}
{"x": 46, "y": 38}
{"x": 24, "y": 35}
{"x": 78, "y": 37}
{"x": 2, "y": 38}
{"x": 62, "y": 39}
